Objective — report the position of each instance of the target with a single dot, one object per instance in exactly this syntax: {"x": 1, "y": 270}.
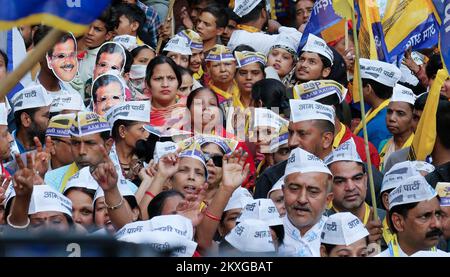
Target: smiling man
{"x": 108, "y": 90}
{"x": 62, "y": 58}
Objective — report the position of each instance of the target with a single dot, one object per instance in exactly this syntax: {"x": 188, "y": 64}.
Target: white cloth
{"x": 261, "y": 209}
{"x": 244, "y": 7}
{"x": 3, "y": 114}
{"x": 345, "y": 152}
{"x": 301, "y": 161}
{"x": 403, "y": 94}
{"x": 296, "y": 245}
{"x": 179, "y": 45}
{"x": 303, "y": 110}
{"x": 33, "y": 96}
{"x": 343, "y": 228}
{"x": 437, "y": 253}
{"x": 260, "y": 41}
{"x": 251, "y": 235}
{"x": 138, "y": 111}
{"x": 317, "y": 45}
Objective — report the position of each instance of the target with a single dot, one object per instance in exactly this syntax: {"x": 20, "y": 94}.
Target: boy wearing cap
{"x": 307, "y": 192}
{"x": 89, "y": 134}
{"x": 315, "y": 60}
{"x": 31, "y": 113}
{"x": 415, "y": 218}
{"x": 378, "y": 79}
{"x": 129, "y": 20}
{"x": 399, "y": 121}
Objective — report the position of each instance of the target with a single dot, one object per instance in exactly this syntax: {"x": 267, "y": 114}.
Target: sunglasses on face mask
{"x": 216, "y": 159}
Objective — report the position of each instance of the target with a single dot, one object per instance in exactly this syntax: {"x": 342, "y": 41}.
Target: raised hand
{"x": 25, "y": 177}
{"x": 234, "y": 171}
{"x": 42, "y": 156}
{"x": 4, "y": 181}
{"x": 190, "y": 206}
{"x": 168, "y": 165}
{"x": 105, "y": 173}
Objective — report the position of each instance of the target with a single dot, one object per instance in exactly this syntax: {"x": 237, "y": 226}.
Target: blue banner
{"x": 68, "y": 15}
{"x": 423, "y": 36}
{"x": 439, "y": 6}
{"x": 445, "y": 34}
{"x": 322, "y": 17}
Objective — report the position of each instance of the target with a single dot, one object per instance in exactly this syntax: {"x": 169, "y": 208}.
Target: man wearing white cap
{"x": 31, "y": 108}
{"x": 378, "y": 80}
{"x": 415, "y": 218}
{"x": 253, "y": 19}
{"x": 350, "y": 187}
{"x": 307, "y": 192}
{"x": 311, "y": 128}
{"x": 178, "y": 50}
{"x": 399, "y": 121}
{"x": 344, "y": 235}
{"x": 58, "y": 131}
{"x": 315, "y": 60}
{"x": 5, "y": 138}
{"x": 89, "y": 134}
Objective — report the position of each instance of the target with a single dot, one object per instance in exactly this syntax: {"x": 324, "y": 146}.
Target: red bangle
{"x": 149, "y": 193}
{"x": 213, "y": 217}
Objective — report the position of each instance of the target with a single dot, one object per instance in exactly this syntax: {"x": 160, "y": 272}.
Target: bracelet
{"x": 213, "y": 217}
{"x": 15, "y": 226}
{"x": 114, "y": 207}
{"x": 149, "y": 193}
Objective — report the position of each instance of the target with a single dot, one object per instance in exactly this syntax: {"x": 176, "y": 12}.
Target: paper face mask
{"x": 62, "y": 59}
{"x": 110, "y": 57}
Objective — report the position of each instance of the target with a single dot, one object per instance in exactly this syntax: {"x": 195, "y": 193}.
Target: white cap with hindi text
{"x": 317, "y": 45}
{"x": 263, "y": 209}
{"x": 138, "y": 111}
{"x": 301, "y": 161}
{"x": 46, "y": 199}
{"x": 302, "y": 110}
{"x": 396, "y": 175}
{"x": 403, "y": 94}
{"x": 244, "y": 7}
{"x": 413, "y": 190}
{"x": 343, "y": 228}
{"x": 344, "y": 152}
{"x": 239, "y": 198}
{"x": 178, "y": 44}
{"x": 381, "y": 72}
{"x": 251, "y": 235}
{"x": 35, "y": 96}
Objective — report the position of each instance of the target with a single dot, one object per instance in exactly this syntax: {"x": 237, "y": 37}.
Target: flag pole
{"x": 27, "y": 64}
{"x": 363, "y": 115}
{"x": 168, "y": 16}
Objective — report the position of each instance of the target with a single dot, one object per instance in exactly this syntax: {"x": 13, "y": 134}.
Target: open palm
{"x": 234, "y": 171}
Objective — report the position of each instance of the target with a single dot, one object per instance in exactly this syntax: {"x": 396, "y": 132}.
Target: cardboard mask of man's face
{"x": 63, "y": 61}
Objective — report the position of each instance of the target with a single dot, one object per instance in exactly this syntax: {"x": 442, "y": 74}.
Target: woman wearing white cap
{"x": 127, "y": 122}
{"x": 178, "y": 50}
{"x": 344, "y": 235}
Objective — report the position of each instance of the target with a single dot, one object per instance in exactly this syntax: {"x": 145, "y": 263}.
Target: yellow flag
{"x": 355, "y": 86}
{"x": 370, "y": 15}
{"x": 425, "y": 135}
{"x": 343, "y": 8}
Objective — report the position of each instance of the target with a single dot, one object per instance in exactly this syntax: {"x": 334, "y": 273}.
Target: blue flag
{"x": 68, "y": 15}
{"x": 322, "y": 17}
{"x": 444, "y": 41}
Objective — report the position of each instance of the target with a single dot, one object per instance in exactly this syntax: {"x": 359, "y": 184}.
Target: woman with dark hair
{"x": 207, "y": 118}
{"x": 164, "y": 203}
{"x": 163, "y": 79}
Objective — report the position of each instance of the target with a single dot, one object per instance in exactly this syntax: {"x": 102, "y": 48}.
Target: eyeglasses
{"x": 62, "y": 56}
{"x": 217, "y": 159}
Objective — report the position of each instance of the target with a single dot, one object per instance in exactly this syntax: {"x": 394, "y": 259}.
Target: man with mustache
{"x": 307, "y": 191}
{"x": 415, "y": 219}
{"x": 89, "y": 134}
{"x": 62, "y": 58}
{"x": 108, "y": 90}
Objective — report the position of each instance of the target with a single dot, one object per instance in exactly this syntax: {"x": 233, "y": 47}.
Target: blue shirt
{"x": 377, "y": 130}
